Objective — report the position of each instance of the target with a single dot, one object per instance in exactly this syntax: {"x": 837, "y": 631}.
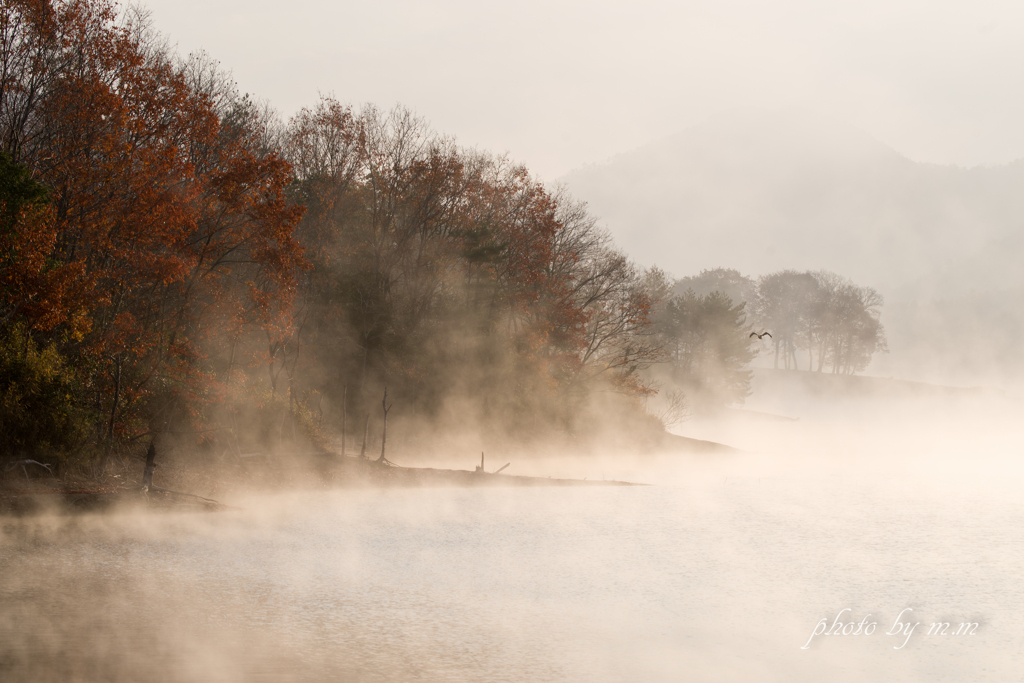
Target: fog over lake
{"x": 564, "y": 341}
{"x": 721, "y": 571}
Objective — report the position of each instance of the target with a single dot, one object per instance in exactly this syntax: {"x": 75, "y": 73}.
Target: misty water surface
{"x": 722, "y": 578}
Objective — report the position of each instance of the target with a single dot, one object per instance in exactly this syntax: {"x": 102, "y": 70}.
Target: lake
{"x": 720, "y": 573}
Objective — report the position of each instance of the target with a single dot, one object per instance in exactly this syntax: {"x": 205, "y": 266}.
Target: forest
{"x": 177, "y": 260}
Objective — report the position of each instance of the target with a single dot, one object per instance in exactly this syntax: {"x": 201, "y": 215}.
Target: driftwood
{"x": 190, "y": 495}
{"x": 479, "y": 469}
{"x": 23, "y": 463}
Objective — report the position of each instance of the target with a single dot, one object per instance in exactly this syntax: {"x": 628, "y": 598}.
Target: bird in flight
{"x": 761, "y": 336}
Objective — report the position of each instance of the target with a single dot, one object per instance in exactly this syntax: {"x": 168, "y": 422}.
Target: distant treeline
{"x": 816, "y": 320}
{"x": 176, "y": 260}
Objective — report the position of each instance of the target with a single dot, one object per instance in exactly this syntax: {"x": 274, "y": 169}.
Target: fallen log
{"x": 23, "y": 463}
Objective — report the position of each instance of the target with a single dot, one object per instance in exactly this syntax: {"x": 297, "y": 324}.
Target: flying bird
{"x": 760, "y": 336}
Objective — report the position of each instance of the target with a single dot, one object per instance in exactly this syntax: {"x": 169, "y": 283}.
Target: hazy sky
{"x": 561, "y": 83}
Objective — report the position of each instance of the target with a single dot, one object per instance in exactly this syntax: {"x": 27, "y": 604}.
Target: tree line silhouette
{"x": 816, "y": 320}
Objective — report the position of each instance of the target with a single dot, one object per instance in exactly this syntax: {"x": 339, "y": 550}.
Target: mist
{"x": 760, "y": 190}
{"x": 719, "y": 570}
{"x": 561, "y": 342}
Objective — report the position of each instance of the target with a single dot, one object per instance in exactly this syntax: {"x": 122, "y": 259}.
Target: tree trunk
{"x": 147, "y": 474}
{"x": 115, "y": 403}
{"x": 366, "y": 430}
{"x": 384, "y": 434}
{"x": 344, "y": 416}
{"x": 291, "y": 408}
{"x": 810, "y": 350}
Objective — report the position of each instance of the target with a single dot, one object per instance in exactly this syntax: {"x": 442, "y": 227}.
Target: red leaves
{"x": 47, "y": 294}
{"x": 171, "y": 236}
{"x": 169, "y": 224}
{"x": 426, "y": 242}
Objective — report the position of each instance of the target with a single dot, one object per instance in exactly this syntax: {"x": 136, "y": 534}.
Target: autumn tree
{"x": 187, "y": 257}
{"x": 381, "y": 193}
{"x": 442, "y": 271}
{"x": 41, "y": 400}
{"x": 610, "y": 298}
{"x": 166, "y": 205}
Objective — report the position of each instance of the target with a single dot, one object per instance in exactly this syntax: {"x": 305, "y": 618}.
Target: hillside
{"x": 760, "y": 192}
{"x": 763, "y": 191}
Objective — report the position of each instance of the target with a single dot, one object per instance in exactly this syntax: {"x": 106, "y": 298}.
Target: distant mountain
{"x": 760, "y": 191}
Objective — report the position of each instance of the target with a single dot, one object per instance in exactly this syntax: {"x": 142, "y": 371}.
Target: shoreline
{"x": 42, "y": 496}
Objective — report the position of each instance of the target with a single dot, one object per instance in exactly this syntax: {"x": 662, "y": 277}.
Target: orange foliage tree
{"x": 453, "y": 270}
{"x": 165, "y": 205}
{"x": 187, "y": 245}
